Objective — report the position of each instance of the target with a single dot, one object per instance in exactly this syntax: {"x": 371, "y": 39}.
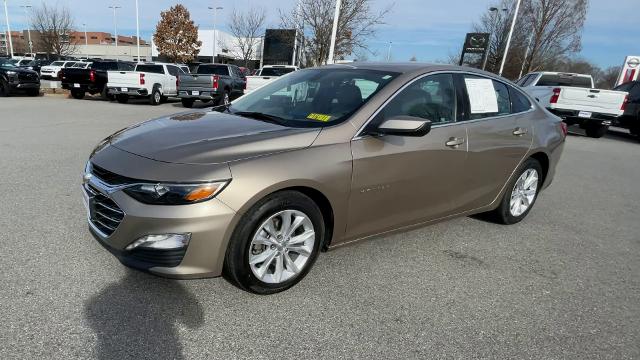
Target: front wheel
{"x": 521, "y": 194}
{"x": 596, "y": 131}
{"x": 275, "y": 243}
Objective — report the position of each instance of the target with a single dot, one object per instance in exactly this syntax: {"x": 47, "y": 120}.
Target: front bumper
{"x": 208, "y": 223}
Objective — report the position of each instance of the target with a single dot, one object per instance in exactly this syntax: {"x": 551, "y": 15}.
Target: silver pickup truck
{"x": 218, "y": 82}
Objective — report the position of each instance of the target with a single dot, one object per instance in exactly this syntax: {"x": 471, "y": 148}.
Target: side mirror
{"x": 404, "y": 126}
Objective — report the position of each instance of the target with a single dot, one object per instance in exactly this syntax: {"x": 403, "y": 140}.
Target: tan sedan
{"x": 317, "y": 159}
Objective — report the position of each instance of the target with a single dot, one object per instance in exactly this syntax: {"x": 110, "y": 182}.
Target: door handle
{"x": 454, "y": 142}
{"x": 520, "y": 131}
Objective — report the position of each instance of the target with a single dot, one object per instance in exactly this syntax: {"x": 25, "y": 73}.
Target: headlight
{"x": 174, "y": 194}
{"x": 11, "y": 72}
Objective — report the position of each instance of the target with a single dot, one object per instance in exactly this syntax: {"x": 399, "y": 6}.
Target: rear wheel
{"x": 188, "y": 103}
{"x": 156, "y": 97}
{"x": 521, "y": 194}
{"x": 224, "y": 99}
{"x": 122, "y": 98}
{"x": 596, "y": 131}
{"x": 77, "y": 94}
{"x": 275, "y": 243}
{"x": 105, "y": 94}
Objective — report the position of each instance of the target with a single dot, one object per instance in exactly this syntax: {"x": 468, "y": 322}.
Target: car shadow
{"x": 137, "y": 317}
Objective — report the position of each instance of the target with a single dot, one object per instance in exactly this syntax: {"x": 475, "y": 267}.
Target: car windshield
{"x": 7, "y": 63}
{"x": 80, "y": 65}
{"x": 57, "y": 63}
{"x": 276, "y": 71}
{"x": 313, "y": 97}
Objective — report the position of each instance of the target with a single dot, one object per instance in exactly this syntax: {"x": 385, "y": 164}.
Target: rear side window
{"x": 487, "y": 97}
{"x": 519, "y": 102}
{"x": 213, "y": 70}
{"x": 155, "y": 69}
{"x": 69, "y": 64}
{"x": 564, "y": 80}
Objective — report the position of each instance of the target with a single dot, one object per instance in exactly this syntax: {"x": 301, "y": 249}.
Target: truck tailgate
{"x": 123, "y": 78}
{"x": 595, "y": 100}
{"x": 195, "y": 81}
{"x": 254, "y": 82}
{"x": 80, "y": 76}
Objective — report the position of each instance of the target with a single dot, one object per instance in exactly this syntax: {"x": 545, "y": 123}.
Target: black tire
{"x": 503, "y": 213}
{"x": 105, "y": 94}
{"x": 77, "y": 94}
{"x": 236, "y": 265}
{"x": 5, "y": 90}
{"x": 33, "y": 92}
{"x": 188, "y": 103}
{"x": 225, "y": 98}
{"x": 122, "y": 98}
{"x": 205, "y": 101}
{"x": 156, "y": 96}
{"x": 596, "y": 131}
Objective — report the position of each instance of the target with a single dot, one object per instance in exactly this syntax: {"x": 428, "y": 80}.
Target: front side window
{"x": 173, "y": 70}
{"x": 69, "y": 64}
{"x": 432, "y": 98}
{"x": 313, "y": 97}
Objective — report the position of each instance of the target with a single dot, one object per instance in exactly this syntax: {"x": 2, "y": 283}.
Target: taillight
{"x": 555, "y": 96}
{"x": 564, "y": 127}
{"x": 624, "y": 103}
{"x": 92, "y": 76}
{"x": 141, "y": 79}
{"x": 177, "y": 81}
{"x": 215, "y": 79}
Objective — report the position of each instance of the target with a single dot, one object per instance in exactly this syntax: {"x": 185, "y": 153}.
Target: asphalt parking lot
{"x": 564, "y": 283}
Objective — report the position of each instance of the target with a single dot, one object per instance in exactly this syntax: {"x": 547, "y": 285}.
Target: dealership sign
{"x": 475, "y": 43}
{"x": 630, "y": 70}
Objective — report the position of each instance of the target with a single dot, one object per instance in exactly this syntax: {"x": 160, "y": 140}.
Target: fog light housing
{"x": 161, "y": 242}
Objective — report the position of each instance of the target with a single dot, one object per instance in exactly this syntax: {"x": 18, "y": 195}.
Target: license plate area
{"x": 585, "y": 114}
{"x": 76, "y": 85}
{"x": 124, "y": 89}
{"x": 196, "y": 93}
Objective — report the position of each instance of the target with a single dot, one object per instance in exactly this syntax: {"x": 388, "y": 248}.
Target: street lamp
{"x": 137, "y": 31}
{"x": 215, "y": 13}
{"x": 26, "y": 13}
{"x": 389, "y": 52}
{"x": 86, "y": 40}
{"x": 6, "y": 16}
{"x": 495, "y": 12}
{"x": 506, "y": 49}
{"x": 115, "y": 26}
{"x": 334, "y": 31}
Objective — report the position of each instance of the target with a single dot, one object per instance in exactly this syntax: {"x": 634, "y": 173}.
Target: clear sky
{"x": 428, "y": 29}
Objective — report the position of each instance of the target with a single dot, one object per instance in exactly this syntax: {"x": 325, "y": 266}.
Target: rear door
{"x": 400, "y": 180}
{"x": 500, "y": 135}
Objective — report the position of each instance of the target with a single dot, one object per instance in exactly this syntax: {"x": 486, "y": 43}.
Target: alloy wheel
{"x": 524, "y": 192}
{"x": 282, "y": 246}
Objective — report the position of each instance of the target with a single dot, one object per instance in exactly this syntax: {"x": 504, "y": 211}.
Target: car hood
{"x": 209, "y": 138}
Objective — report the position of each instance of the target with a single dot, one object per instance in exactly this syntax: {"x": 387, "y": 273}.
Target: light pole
{"x": 6, "y": 17}
{"x": 506, "y": 49}
{"x": 137, "y": 31}
{"x": 26, "y": 13}
{"x": 215, "y": 13}
{"x": 86, "y": 39}
{"x": 389, "y": 52}
{"x": 334, "y": 32}
{"x": 526, "y": 53}
{"x": 494, "y": 32}
{"x": 115, "y": 26}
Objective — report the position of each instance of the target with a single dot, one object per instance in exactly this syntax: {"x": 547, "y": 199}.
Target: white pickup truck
{"x": 573, "y": 98}
{"x": 267, "y": 74}
{"x": 155, "y": 81}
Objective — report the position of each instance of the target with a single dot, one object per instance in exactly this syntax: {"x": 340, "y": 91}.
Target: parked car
{"x": 631, "y": 117}
{"x": 267, "y": 74}
{"x": 573, "y": 98}
{"x": 314, "y": 160}
{"x": 92, "y": 80}
{"x": 36, "y": 65}
{"x": 23, "y": 61}
{"x": 218, "y": 82}
{"x": 81, "y": 65}
{"x": 50, "y": 72}
{"x": 155, "y": 81}
{"x": 16, "y": 79}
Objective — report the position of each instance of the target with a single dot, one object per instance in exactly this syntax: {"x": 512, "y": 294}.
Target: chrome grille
{"x": 104, "y": 213}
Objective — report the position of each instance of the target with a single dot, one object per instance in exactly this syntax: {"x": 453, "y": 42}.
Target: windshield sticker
{"x": 319, "y": 117}
{"x": 482, "y": 96}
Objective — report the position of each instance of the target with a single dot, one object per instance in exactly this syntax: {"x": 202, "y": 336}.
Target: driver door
{"x": 402, "y": 180}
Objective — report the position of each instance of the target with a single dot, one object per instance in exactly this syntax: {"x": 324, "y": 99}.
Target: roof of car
{"x": 408, "y": 67}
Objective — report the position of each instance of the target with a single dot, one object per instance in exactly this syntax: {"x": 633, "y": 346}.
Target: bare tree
{"x": 247, "y": 29}
{"x": 356, "y": 24}
{"x": 608, "y": 77}
{"x": 53, "y": 25}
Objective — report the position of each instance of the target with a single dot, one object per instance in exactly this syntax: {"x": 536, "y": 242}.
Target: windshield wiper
{"x": 261, "y": 116}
